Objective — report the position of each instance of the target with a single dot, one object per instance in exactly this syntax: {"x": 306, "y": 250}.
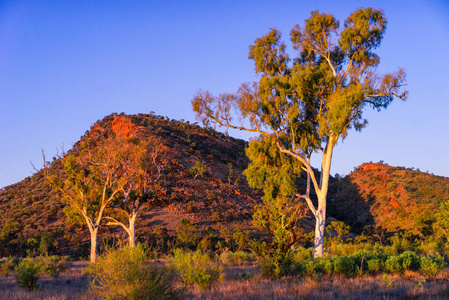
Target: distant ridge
{"x": 394, "y": 198}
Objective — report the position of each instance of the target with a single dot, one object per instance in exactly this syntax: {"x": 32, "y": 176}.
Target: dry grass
{"x": 244, "y": 282}
{"x": 72, "y": 284}
{"x": 327, "y": 288}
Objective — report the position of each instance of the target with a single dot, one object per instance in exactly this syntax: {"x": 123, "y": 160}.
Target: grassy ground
{"x": 244, "y": 282}
{"x": 72, "y": 284}
{"x": 336, "y": 288}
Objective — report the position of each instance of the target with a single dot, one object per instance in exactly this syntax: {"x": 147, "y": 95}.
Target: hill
{"x": 30, "y": 209}
{"x": 393, "y": 198}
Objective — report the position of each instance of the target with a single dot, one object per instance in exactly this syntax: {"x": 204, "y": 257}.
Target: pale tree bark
{"x": 93, "y": 245}
{"x": 320, "y": 213}
{"x": 93, "y": 226}
{"x": 321, "y": 189}
{"x": 131, "y": 229}
{"x": 93, "y": 230}
{"x": 320, "y": 224}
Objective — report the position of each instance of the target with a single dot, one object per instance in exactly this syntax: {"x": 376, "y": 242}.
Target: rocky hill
{"x": 394, "y": 198}
{"x": 30, "y": 209}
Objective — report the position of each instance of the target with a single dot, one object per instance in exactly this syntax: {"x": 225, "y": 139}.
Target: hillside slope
{"x": 394, "y": 198}
{"x": 30, "y": 208}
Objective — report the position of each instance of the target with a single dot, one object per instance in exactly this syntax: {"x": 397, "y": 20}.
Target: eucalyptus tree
{"x": 143, "y": 165}
{"x": 308, "y": 103}
{"x": 105, "y": 165}
{"x": 89, "y": 182}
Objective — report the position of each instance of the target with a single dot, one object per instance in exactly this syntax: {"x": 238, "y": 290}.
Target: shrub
{"x": 6, "y": 265}
{"x": 432, "y": 248}
{"x": 344, "y": 265}
{"x": 217, "y": 216}
{"x": 275, "y": 266}
{"x": 198, "y": 170}
{"x": 399, "y": 244}
{"x": 318, "y": 266}
{"x": 53, "y": 266}
{"x": 410, "y": 261}
{"x": 393, "y": 264}
{"x": 236, "y": 258}
{"x": 196, "y": 268}
{"x": 430, "y": 265}
{"x": 125, "y": 273}
{"x": 207, "y": 243}
{"x": 301, "y": 254}
{"x": 187, "y": 234}
{"x": 375, "y": 265}
{"x": 27, "y": 274}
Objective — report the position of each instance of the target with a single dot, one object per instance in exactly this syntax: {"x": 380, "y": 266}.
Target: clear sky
{"x": 66, "y": 64}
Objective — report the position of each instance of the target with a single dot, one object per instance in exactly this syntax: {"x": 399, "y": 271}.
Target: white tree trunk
{"x": 320, "y": 227}
{"x": 320, "y": 214}
{"x": 132, "y": 231}
{"x": 93, "y": 245}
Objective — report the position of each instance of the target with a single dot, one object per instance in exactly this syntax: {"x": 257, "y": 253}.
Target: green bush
{"x": 196, "y": 268}
{"x": 207, "y": 243}
{"x": 53, "y": 265}
{"x": 27, "y": 274}
{"x": 432, "y": 248}
{"x": 344, "y": 265}
{"x": 410, "y": 261}
{"x": 301, "y": 254}
{"x": 362, "y": 258}
{"x": 375, "y": 265}
{"x": 125, "y": 273}
{"x": 198, "y": 170}
{"x": 275, "y": 266}
{"x": 187, "y": 235}
{"x": 235, "y": 239}
{"x": 393, "y": 264}
{"x": 6, "y": 265}
{"x": 430, "y": 265}
{"x": 236, "y": 258}
{"x": 318, "y": 266}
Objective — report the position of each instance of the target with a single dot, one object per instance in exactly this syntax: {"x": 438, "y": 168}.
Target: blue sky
{"x": 66, "y": 64}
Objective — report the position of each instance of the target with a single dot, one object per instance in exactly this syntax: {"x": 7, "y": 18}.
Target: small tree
{"x": 92, "y": 177}
{"x": 281, "y": 212}
{"x": 198, "y": 170}
{"x": 306, "y": 106}
{"x": 230, "y": 173}
{"x": 139, "y": 184}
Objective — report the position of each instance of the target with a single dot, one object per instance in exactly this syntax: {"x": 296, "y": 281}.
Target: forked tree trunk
{"x": 131, "y": 229}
